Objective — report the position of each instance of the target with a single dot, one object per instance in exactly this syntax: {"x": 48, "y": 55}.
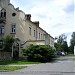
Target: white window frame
{"x": 2, "y": 29}
{"x": 13, "y": 28}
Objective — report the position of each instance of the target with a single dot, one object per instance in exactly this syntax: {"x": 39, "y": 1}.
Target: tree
{"x": 61, "y": 43}
{"x": 8, "y": 41}
{"x": 64, "y": 46}
{"x": 72, "y": 42}
{"x": 57, "y": 46}
{"x": 61, "y": 39}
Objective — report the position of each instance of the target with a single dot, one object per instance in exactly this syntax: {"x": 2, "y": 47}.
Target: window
{"x": 3, "y": 13}
{"x": 39, "y": 35}
{"x": 13, "y": 28}
{"x": 34, "y": 33}
{"x": 13, "y": 14}
{"x": 43, "y": 36}
{"x": 49, "y": 41}
{"x": 1, "y": 29}
{"x": 29, "y": 30}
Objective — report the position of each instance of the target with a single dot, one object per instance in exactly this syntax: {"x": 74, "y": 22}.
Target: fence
{"x": 5, "y": 56}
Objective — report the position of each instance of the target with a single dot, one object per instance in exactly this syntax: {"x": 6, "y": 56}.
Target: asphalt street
{"x": 62, "y": 66}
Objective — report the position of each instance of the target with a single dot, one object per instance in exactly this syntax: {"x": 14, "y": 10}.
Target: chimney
{"x": 17, "y": 8}
{"x": 36, "y": 23}
{"x": 28, "y": 16}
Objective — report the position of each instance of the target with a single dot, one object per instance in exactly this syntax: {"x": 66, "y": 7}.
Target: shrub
{"x": 40, "y": 53}
{"x": 8, "y": 41}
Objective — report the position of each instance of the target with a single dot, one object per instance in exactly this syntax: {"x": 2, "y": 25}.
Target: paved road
{"x": 62, "y": 66}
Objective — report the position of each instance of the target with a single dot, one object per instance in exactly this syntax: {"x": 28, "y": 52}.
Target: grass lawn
{"x": 17, "y": 62}
{"x": 11, "y": 68}
{"x": 70, "y": 55}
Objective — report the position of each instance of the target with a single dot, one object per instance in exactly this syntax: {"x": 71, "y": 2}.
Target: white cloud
{"x": 51, "y": 14}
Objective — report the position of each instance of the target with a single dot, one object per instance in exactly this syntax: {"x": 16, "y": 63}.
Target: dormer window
{"x": 3, "y": 13}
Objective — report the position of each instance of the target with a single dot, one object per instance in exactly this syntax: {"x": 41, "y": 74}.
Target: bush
{"x": 8, "y": 41}
{"x": 40, "y": 53}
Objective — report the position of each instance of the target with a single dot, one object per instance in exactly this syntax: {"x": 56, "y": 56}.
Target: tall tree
{"x": 72, "y": 42}
{"x": 64, "y": 46}
{"x": 8, "y": 41}
{"x": 57, "y": 46}
{"x": 61, "y": 43}
{"x": 61, "y": 39}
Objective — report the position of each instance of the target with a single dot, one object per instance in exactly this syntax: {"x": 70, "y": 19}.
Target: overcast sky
{"x": 55, "y": 16}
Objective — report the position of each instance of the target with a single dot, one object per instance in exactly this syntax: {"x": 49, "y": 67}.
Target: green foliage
{"x": 40, "y": 53}
{"x": 61, "y": 39}
{"x": 72, "y": 43}
{"x": 73, "y": 38}
{"x": 8, "y": 41}
{"x": 16, "y": 62}
{"x": 57, "y": 46}
{"x": 64, "y": 46}
{"x": 61, "y": 43}
{"x": 11, "y": 68}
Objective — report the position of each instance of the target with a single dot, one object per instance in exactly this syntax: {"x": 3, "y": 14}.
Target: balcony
{"x": 3, "y": 20}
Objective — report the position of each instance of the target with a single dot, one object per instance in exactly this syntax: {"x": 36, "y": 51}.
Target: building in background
{"x": 18, "y": 24}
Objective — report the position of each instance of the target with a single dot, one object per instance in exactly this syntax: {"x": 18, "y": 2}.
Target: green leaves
{"x": 40, "y": 53}
{"x": 72, "y": 42}
{"x": 7, "y": 42}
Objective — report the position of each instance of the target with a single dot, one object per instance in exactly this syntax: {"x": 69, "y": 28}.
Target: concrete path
{"x": 62, "y": 66}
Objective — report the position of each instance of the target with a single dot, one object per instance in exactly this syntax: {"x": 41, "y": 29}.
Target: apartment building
{"x": 18, "y": 24}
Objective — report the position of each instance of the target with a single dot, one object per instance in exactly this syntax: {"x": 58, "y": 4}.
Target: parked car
{"x": 63, "y": 53}
{"x": 60, "y": 53}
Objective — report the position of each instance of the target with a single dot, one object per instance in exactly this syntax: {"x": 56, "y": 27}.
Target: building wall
{"x": 5, "y": 56}
{"x": 33, "y": 27}
{"x": 30, "y": 35}
{"x": 51, "y": 41}
{"x": 39, "y": 42}
{"x": 23, "y": 26}
{"x": 18, "y": 20}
